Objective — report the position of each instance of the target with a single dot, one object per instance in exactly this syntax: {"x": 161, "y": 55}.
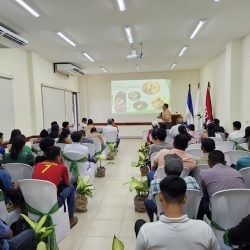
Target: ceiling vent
{"x": 11, "y": 39}
{"x": 68, "y": 69}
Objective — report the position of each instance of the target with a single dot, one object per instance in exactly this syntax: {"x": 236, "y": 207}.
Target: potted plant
{"x": 117, "y": 244}
{"x": 144, "y": 149}
{"x": 142, "y": 190}
{"x": 42, "y": 232}
{"x": 103, "y": 162}
{"x": 112, "y": 150}
{"x": 83, "y": 191}
{"x": 141, "y": 163}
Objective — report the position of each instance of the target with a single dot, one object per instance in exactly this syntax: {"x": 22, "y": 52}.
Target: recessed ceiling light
{"x": 129, "y": 34}
{"x": 121, "y": 5}
{"x": 173, "y": 65}
{"x": 216, "y": 1}
{"x": 66, "y": 38}
{"x": 28, "y": 8}
{"x": 183, "y": 51}
{"x": 88, "y": 56}
{"x": 103, "y": 69}
{"x": 198, "y": 28}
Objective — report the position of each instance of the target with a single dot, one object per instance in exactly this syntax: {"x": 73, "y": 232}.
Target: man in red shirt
{"x": 55, "y": 171}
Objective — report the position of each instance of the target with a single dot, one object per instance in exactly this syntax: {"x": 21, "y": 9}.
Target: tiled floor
{"x": 111, "y": 210}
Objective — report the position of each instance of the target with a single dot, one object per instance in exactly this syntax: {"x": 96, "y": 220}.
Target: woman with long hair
{"x": 14, "y": 134}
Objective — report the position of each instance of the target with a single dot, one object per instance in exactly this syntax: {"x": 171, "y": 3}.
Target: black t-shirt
{"x": 40, "y": 158}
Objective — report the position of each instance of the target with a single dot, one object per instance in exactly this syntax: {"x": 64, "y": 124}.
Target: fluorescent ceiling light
{"x": 198, "y": 28}
{"x": 88, "y": 56}
{"x": 28, "y": 8}
{"x": 66, "y": 38}
{"x": 216, "y": 1}
{"x": 183, "y": 50}
{"x": 173, "y": 66}
{"x": 128, "y": 31}
{"x": 103, "y": 69}
{"x": 121, "y": 5}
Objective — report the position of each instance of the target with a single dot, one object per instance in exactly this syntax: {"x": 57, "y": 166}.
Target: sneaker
{"x": 73, "y": 221}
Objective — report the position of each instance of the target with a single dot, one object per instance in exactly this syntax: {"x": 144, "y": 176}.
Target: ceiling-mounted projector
{"x": 134, "y": 54}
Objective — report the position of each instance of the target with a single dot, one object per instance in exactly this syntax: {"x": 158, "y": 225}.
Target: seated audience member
{"x": 2, "y": 150}
{"x": 44, "y": 145}
{"x": 191, "y": 131}
{"x": 43, "y": 134}
{"x": 65, "y": 137}
{"x": 217, "y": 127}
{"x": 246, "y": 137}
{"x": 244, "y": 162}
{"x": 174, "y": 230}
{"x": 174, "y": 130}
{"x": 83, "y": 125}
{"x": 154, "y": 138}
{"x": 211, "y": 132}
{"x": 16, "y": 132}
{"x": 85, "y": 139}
{"x": 54, "y": 132}
{"x": 219, "y": 177}
{"x": 237, "y": 133}
{"x": 183, "y": 131}
{"x": 17, "y": 154}
{"x": 173, "y": 166}
{"x": 118, "y": 138}
{"x": 55, "y": 171}
{"x": 95, "y": 134}
{"x": 76, "y": 146}
{"x": 155, "y": 125}
{"x": 109, "y": 128}
{"x": 161, "y": 144}
{"x": 52, "y": 124}
{"x": 239, "y": 235}
{"x": 26, "y": 240}
{"x": 180, "y": 145}
{"x": 90, "y": 125}
{"x": 207, "y": 146}
{"x": 65, "y": 125}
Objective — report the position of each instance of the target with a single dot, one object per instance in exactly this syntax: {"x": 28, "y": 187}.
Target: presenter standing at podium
{"x": 165, "y": 116}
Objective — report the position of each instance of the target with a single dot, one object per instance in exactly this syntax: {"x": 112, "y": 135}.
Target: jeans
{"x": 138, "y": 225}
{"x": 151, "y": 208}
{"x": 151, "y": 174}
{"x": 26, "y": 240}
{"x": 68, "y": 193}
{"x": 204, "y": 209}
{"x": 117, "y": 142}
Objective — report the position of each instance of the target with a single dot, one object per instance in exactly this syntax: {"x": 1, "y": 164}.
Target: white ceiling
{"x": 96, "y": 26}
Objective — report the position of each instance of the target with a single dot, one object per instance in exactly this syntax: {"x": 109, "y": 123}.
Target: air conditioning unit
{"x": 68, "y": 69}
{"x": 9, "y": 38}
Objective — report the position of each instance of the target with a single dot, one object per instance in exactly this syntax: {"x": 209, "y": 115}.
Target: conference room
{"x": 124, "y": 124}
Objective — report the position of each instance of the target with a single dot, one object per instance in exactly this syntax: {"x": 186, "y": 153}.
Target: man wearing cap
{"x": 173, "y": 166}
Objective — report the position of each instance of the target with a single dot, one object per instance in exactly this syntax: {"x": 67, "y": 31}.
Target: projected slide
{"x": 139, "y": 96}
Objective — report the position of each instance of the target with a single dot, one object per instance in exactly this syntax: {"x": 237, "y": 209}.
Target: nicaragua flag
{"x": 189, "y": 109}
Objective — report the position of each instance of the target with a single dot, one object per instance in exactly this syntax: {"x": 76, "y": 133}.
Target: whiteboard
{"x": 6, "y": 107}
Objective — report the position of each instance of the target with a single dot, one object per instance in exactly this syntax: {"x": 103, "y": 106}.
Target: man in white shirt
{"x": 237, "y": 133}
{"x": 83, "y": 124}
{"x": 76, "y": 146}
{"x": 110, "y": 133}
{"x": 174, "y": 230}
{"x": 174, "y": 130}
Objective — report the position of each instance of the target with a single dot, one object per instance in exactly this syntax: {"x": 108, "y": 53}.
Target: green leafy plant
{"x": 140, "y": 162}
{"x": 103, "y": 160}
{"x": 117, "y": 244}
{"x": 112, "y": 147}
{"x": 140, "y": 186}
{"x": 83, "y": 186}
{"x": 144, "y": 149}
{"x": 42, "y": 232}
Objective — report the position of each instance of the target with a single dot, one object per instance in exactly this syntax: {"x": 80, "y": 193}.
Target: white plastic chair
{"x": 244, "y": 146}
{"x": 194, "y": 146}
{"x": 37, "y": 149}
{"x": 8, "y": 217}
{"x": 110, "y": 136}
{"x": 9, "y": 146}
{"x": 98, "y": 145}
{"x": 18, "y": 171}
{"x": 216, "y": 139}
{"x": 225, "y": 146}
{"x": 228, "y": 208}
{"x": 197, "y": 170}
{"x": 185, "y": 172}
{"x": 160, "y": 173}
{"x": 233, "y": 156}
{"x": 237, "y": 140}
{"x": 42, "y": 196}
{"x": 145, "y": 135}
{"x": 195, "y": 152}
{"x": 60, "y": 145}
{"x": 91, "y": 148}
{"x": 1, "y": 158}
{"x": 83, "y": 167}
{"x": 245, "y": 173}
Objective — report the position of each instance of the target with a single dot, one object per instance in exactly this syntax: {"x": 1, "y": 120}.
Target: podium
{"x": 175, "y": 117}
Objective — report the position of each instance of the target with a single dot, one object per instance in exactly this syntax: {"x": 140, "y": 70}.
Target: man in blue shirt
{"x": 24, "y": 241}
{"x": 244, "y": 162}
{"x": 2, "y": 150}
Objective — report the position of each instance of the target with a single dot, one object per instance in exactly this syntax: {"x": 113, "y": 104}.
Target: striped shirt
{"x": 155, "y": 185}
{"x": 218, "y": 178}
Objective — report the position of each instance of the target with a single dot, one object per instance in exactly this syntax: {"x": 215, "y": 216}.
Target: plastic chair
{"x": 160, "y": 172}
{"x": 185, "y": 172}
{"x": 60, "y": 145}
{"x": 244, "y": 146}
{"x": 145, "y": 135}
{"x": 245, "y": 173}
{"x": 37, "y": 149}
{"x": 1, "y": 158}
{"x": 98, "y": 145}
{"x": 197, "y": 170}
{"x": 110, "y": 136}
{"x": 195, "y": 152}
{"x": 91, "y": 148}
{"x": 233, "y": 156}
{"x": 18, "y": 171}
{"x": 228, "y": 208}
{"x": 42, "y": 196}
{"x": 194, "y": 146}
{"x": 225, "y": 146}
{"x": 216, "y": 139}
{"x": 237, "y": 140}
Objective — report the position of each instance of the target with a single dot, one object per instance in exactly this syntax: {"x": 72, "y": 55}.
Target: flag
{"x": 189, "y": 109}
{"x": 209, "y": 112}
{"x": 198, "y": 111}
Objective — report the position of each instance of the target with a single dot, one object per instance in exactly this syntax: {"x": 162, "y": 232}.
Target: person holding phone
{"x": 165, "y": 116}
